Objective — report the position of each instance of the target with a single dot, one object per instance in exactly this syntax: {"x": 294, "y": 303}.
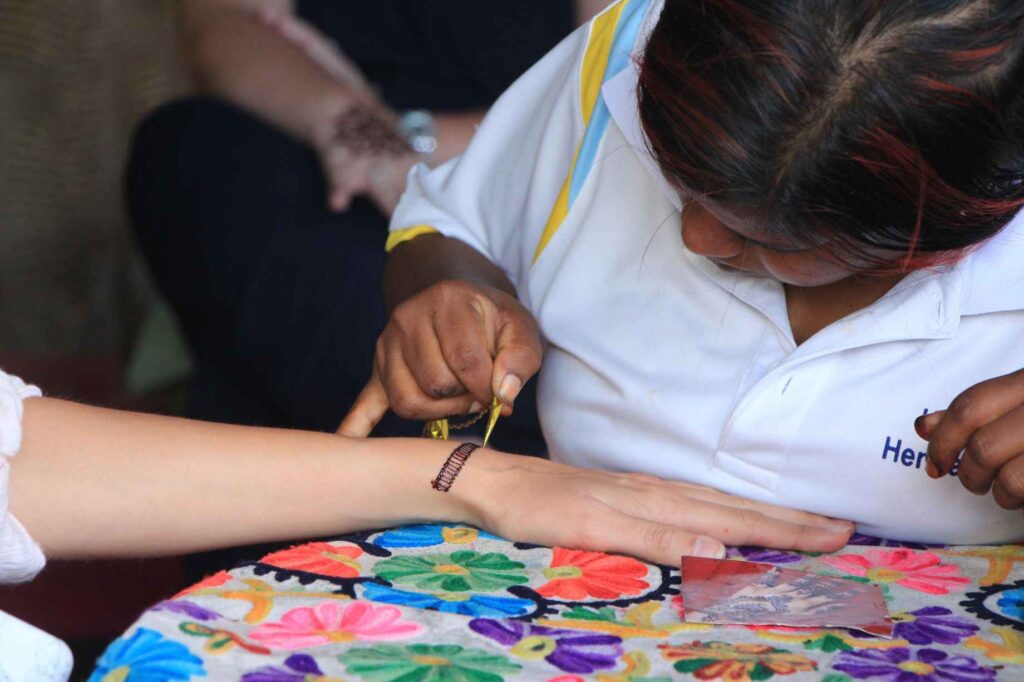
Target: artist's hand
{"x": 531, "y": 500}
{"x": 448, "y": 350}
{"x": 986, "y": 423}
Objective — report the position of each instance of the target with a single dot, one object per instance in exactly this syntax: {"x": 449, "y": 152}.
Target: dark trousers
{"x": 280, "y": 298}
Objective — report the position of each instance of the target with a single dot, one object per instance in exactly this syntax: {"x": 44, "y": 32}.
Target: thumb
{"x": 517, "y": 358}
{"x": 367, "y": 411}
{"x": 345, "y": 174}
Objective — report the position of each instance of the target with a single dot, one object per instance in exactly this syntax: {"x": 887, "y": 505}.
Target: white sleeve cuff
{"x": 21, "y": 559}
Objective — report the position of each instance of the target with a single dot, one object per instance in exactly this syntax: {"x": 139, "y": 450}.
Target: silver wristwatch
{"x": 419, "y": 130}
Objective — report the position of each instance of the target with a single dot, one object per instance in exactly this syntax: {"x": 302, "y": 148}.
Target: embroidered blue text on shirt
{"x": 909, "y": 457}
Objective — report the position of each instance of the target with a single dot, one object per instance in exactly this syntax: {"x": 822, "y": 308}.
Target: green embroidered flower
{"x": 827, "y": 643}
{"x": 606, "y": 614}
{"x": 426, "y": 663}
{"x": 463, "y": 571}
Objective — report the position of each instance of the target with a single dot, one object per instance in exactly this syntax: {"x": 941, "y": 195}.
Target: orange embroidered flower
{"x": 576, "y": 575}
{"x": 336, "y": 561}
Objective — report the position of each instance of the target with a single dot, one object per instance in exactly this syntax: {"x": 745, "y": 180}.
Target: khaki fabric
{"x": 75, "y": 77}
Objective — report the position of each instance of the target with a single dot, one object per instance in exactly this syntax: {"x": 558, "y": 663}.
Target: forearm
{"x": 422, "y": 262}
{"x": 234, "y": 55}
{"x": 91, "y": 482}
{"x": 238, "y": 57}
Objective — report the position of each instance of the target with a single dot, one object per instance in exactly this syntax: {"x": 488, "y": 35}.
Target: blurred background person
{"x": 263, "y": 206}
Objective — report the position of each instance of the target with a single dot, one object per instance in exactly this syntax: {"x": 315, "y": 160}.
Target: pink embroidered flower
{"x": 331, "y": 622}
{"x": 921, "y": 571}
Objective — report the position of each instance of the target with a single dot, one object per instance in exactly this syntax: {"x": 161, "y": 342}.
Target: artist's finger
{"x": 1008, "y": 487}
{"x": 366, "y": 413}
{"x": 463, "y": 326}
{"x": 423, "y": 355}
{"x": 969, "y": 411}
{"x": 348, "y": 176}
{"x": 518, "y": 354}
{"x": 989, "y": 449}
{"x": 785, "y": 514}
{"x": 405, "y": 396}
{"x": 338, "y": 190}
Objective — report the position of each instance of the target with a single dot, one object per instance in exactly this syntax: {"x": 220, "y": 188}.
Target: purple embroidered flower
{"x": 932, "y": 625}
{"x": 568, "y": 650}
{"x": 187, "y": 608}
{"x": 904, "y": 665}
{"x": 872, "y": 541}
{"x": 297, "y": 668}
{"x": 765, "y": 556}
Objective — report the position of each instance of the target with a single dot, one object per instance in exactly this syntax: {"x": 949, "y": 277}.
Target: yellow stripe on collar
{"x": 595, "y": 62}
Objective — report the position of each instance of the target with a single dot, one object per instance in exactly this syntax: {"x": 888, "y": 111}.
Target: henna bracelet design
{"x": 452, "y": 466}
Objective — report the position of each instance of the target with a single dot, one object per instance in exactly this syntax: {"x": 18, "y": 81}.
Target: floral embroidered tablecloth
{"x": 453, "y": 604}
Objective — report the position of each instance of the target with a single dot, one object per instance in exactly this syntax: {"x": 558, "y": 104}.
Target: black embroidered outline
{"x": 975, "y": 604}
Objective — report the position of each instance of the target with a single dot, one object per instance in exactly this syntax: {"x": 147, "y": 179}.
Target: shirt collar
{"x": 995, "y": 273}
{"x": 620, "y": 96}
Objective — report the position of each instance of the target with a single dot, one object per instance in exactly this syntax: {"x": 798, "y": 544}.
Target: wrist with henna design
{"x": 366, "y": 131}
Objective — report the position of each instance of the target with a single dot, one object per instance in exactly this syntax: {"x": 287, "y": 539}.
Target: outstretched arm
{"x": 92, "y": 482}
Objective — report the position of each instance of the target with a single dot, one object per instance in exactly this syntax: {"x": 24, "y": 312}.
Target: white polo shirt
{"x": 657, "y": 361}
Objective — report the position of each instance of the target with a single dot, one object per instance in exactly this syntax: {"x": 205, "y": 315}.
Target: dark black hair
{"x": 880, "y": 126}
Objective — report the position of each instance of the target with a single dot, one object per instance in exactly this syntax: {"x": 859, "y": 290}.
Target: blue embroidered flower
{"x": 147, "y": 657}
{"x": 431, "y": 535}
{"x": 479, "y": 605}
{"x": 1011, "y": 603}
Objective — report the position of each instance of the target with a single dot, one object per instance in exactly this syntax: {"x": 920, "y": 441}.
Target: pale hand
{"x": 526, "y": 499}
